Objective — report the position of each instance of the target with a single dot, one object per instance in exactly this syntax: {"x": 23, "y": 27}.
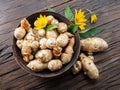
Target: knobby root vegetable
{"x": 69, "y": 34}
{"x": 66, "y": 58}
{"x": 57, "y": 51}
{"x": 26, "y": 50}
{"x": 76, "y": 67}
{"x": 91, "y": 57}
{"x": 89, "y": 67}
{"x": 35, "y": 45}
{"x": 55, "y": 21}
{"x": 62, "y": 27}
{"x": 29, "y": 36}
{"x": 28, "y": 58}
{"x": 19, "y": 33}
{"x": 51, "y": 34}
{"x": 41, "y": 32}
{"x": 54, "y": 65}
{"x": 62, "y": 40}
{"x": 25, "y": 24}
{"x": 19, "y": 43}
{"x": 51, "y": 43}
{"x": 45, "y": 55}
{"x": 37, "y": 66}
{"x": 50, "y": 18}
{"x": 94, "y": 44}
{"x": 67, "y": 55}
{"x": 69, "y": 48}
{"x": 42, "y": 43}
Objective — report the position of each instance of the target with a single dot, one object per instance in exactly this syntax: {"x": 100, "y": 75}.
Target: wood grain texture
{"x": 12, "y": 77}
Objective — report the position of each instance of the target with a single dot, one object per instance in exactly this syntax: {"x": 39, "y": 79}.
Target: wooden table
{"x": 12, "y": 77}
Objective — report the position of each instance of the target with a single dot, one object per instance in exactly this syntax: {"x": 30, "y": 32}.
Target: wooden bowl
{"x": 47, "y": 73}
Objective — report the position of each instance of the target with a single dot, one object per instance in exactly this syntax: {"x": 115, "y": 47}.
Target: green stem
{"x": 89, "y": 11}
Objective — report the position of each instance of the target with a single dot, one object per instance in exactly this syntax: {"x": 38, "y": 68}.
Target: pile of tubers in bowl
{"x": 43, "y": 49}
{"x": 86, "y": 62}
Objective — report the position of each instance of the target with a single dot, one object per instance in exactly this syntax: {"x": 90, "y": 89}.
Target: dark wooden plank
{"x": 12, "y": 10}
{"x": 107, "y": 62}
{"x": 8, "y": 68}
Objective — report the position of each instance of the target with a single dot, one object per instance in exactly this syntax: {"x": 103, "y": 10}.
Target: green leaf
{"x": 73, "y": 28}
{"x": 83, "y": 31}
{"x": 68, "y": 13}
{"x": 50, "y": 9}
{"x": 90, "y": 32}
{"x": 51, "y": 27}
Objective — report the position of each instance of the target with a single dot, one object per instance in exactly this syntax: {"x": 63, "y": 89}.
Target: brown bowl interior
{"x": 47, "y": 73}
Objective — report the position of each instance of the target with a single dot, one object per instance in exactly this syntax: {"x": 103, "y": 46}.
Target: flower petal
{"x": 80, "y": 19}
{"x": 41, "y": 22}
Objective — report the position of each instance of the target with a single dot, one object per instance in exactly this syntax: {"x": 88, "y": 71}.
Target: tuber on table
{"x": 76, "y": 67}
{"x": 89, "y": 67}
{"x": 94, "y": 44}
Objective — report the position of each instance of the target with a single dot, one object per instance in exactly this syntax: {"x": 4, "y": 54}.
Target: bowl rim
{"x": 67, "y": 67}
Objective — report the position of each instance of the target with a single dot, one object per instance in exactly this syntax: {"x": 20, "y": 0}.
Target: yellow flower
{"x": 80, "y": 19}
{"x": 93, "y": 18}
{"x": 41, "y": 22}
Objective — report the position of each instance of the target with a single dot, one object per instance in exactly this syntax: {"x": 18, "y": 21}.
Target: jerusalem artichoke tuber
{"x": 51, "y": 34}
{"x": 19, "y": 33}
{"x": 42, "y": 43}
{"x": 62, "y": 27}
{"x": 41, "y": 32}
{"x": 50, "y": 18}
{"x": 67, "y": 55}
{"x": 37, "y": 66}
{"x": 50, "y": 43}
{"x": 54, "y": 65}
{"x": 62, "y": 40}
{"x": 76, "y": 67}
{"x": 70, "y": 35}
{"x": 94, "y": 44}
{"x": 25, "y": 24}
{"x": 57, "y": 51}
{"x": 26, "y": 50}
{"x": 54, "y": 21}
{"x": 45, "y": 55}
{"x": 19, "y": 43}
{"x": 89, "y": 67}
{"x": 28, "y": 58}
